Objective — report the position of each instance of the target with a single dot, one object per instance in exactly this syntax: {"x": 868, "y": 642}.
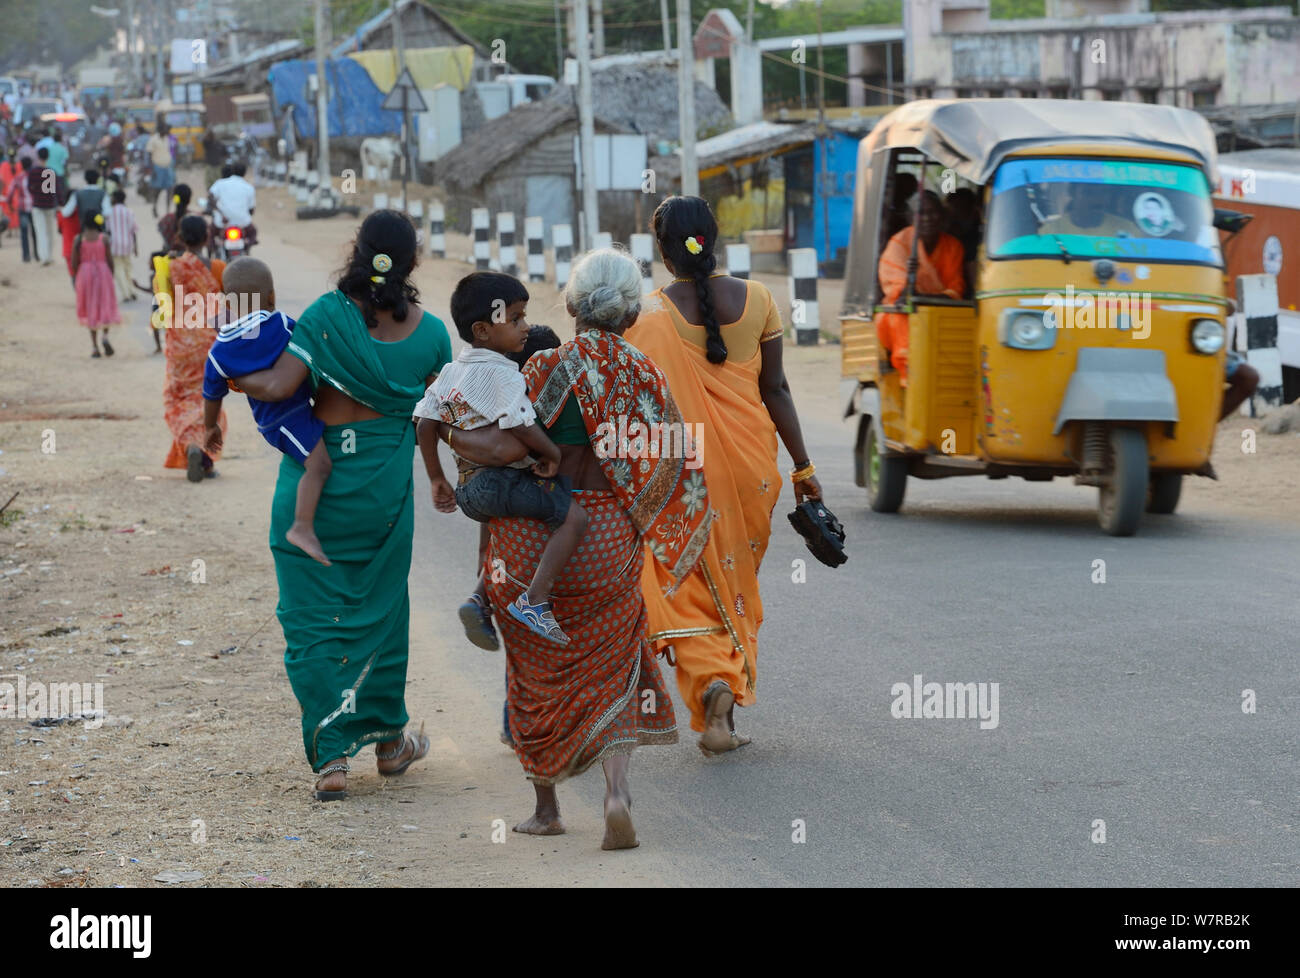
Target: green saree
{"x": 346, "y": 625}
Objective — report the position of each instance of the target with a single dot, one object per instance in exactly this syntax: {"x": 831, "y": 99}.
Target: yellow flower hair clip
{"x": 695, "y": 244}
{"x": 378, "y": 279}
{"x": 176, "y": 198}
{"x": 99, "y": 219}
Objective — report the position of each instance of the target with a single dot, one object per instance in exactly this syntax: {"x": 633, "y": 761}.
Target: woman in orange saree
{"x": 718, "y": 340}
{"x": 196, "y": 297}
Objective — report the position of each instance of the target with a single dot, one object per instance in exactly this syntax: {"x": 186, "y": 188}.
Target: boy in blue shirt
{"x": 252, "y": 343}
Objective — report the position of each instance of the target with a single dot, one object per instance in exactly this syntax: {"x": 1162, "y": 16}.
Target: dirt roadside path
{"x": 116, "y": 571}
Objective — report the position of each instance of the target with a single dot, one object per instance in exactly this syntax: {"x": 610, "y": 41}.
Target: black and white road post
{"x": 535, "y": 234}
{"x": 803, "y": 296}
{"x": 437, "y": 229}
{"x": 1257, "y": 301}
{"x": 479, "y": 221}
{"x": 738, "y": 260}
{"x": 562, "y": 242}
{"x": 506, "y": 243}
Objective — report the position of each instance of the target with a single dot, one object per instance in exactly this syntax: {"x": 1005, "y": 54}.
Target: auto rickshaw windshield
{"x": 1126, "y": 210}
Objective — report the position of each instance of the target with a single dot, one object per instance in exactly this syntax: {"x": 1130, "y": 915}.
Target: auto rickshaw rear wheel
{"x": 1123, "y": 495}
{"x": 1165, "y": 489}
{"x": 886, "y": 476}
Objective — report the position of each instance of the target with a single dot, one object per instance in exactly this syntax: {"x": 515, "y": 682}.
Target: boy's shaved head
{"x": 248, "y": 276}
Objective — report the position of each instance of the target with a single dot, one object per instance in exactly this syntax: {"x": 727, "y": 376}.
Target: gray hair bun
{"x": 605, "y": 288}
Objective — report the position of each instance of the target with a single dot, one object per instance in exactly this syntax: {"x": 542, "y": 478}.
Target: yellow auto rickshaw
{"x": 187, "y": 122}
{"x": 1087, "y": 338}
{"x": 133, "y": 112}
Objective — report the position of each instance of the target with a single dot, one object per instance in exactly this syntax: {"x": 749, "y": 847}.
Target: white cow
{"x": 378, "y": 156}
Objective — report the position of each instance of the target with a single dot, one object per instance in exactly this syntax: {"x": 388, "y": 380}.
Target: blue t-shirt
{"x": 246, "y": 346}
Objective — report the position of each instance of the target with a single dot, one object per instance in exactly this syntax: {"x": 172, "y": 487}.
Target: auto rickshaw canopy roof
{"x": 972, "y": 136}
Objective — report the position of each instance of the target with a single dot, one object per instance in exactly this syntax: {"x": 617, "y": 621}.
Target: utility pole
{"x": 686, "y": 100}
{"x": 749, "y": 23}
{"x": 823, "y": 138}
{"x": 134, "y": 55}
{"x": 668, "y": 37}
{"x": 161, "y": 40}
{"x": 559, "y": 44}
{"x": 586, "y": 127}
{"x": 322, "y": 96}
{"x": 597, "y": 28}
{"x": 406, "y": 113}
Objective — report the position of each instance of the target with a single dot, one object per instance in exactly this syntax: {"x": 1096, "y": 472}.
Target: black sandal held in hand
{"x": 821, "y": 531}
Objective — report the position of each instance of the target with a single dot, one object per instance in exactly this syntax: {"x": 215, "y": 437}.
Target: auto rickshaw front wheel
{"x": 1123, "y": 495}
{"x": 1165, "y": 489}
{"x": 886, "y": 476}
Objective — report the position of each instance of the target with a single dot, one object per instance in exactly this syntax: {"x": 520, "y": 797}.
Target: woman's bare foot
{"x": 302, "y": 536}
{"x": 619, "y": 833}
{"x": 545, "y": 819}
{"x": 719, "y": 735}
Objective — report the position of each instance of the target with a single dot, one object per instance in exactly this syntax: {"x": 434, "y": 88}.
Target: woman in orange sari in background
{"x": 718, "y": 340}
{"x": 189, "y": 336}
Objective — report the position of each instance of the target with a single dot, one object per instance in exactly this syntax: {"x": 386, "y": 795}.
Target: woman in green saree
{"x": 369, "y": 352}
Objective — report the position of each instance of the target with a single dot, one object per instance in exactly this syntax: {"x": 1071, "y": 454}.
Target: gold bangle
{"x": 450, "y": 429}
{"x": 802, "y": 475}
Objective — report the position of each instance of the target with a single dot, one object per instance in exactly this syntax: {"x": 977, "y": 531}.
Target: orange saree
{"x": 937, "y": 273}
{"x": 712, "y": 619}
{"x": 186, "y": 344}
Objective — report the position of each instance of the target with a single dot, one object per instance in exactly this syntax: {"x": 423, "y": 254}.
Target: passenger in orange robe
{"x": 939, "y": 259}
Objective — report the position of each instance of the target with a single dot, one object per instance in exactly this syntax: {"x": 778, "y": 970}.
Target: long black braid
{"x": 675, "y": 221}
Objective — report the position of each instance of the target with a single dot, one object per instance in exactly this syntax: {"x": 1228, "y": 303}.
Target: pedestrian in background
{"x": 19, "y": 197}
{"x": 92, "y": 269}
{"x": 123, "y": 245}
{"x": 47, "y": 191}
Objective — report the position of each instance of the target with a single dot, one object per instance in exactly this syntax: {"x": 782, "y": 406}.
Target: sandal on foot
{"x": 538, "y": 618}
{"x": 95, "y": 355}
{"x": 108, "y": 347}
{"x": 340, "y": 766}
{"x": 476, "y": 617}
{"x": 418, "y": 746}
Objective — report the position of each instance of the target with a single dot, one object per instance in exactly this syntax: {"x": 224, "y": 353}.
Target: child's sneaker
{"x": 477, "y": 619}
{"x": 538, "y": 618}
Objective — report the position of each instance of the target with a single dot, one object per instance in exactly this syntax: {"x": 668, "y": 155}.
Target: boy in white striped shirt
{"x": 483, "y": 386}
{"x": 123, "y": 245}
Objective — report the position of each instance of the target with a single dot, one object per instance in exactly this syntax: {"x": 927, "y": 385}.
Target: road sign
{"x": 405, "y": 95}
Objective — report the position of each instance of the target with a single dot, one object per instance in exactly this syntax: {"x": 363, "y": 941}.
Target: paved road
{"x": 1118, "y": 701}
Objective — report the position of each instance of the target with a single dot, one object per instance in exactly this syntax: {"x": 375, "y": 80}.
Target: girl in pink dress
{"x": 92, "y": 268}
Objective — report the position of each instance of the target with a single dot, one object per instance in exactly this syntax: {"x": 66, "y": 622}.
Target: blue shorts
{"x": 1233, "y": 362}
{"x": 296, "y": 433}
{"x": 502, "y": 493}
{"x": 163, "y": 178}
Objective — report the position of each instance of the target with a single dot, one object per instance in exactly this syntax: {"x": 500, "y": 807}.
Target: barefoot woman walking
{"x": 596, "y": 698}
{"x": 718, "y": 341}
{"x": 370, "y": 351}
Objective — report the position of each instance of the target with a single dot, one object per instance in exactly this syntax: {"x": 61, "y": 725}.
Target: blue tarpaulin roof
{"x": 354, "y": 101}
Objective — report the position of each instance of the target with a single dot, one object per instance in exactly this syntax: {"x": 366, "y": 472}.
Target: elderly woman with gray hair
{"x": 601, "y": 695}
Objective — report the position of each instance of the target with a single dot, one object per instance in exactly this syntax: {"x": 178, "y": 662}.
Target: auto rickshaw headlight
{"x": 1025, "y": 329}
{"x": 1207, "y": 336}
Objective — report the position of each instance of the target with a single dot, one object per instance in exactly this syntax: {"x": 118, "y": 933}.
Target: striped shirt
{"x": 121, "y": 230}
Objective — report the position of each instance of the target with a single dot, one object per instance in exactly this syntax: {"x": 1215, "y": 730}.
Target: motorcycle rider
{"x": 232, "y": 200}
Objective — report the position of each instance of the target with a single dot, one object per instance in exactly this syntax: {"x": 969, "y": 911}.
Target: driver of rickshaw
{"x": 1090, "y": 211}
{"x": 937, "y": 268}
